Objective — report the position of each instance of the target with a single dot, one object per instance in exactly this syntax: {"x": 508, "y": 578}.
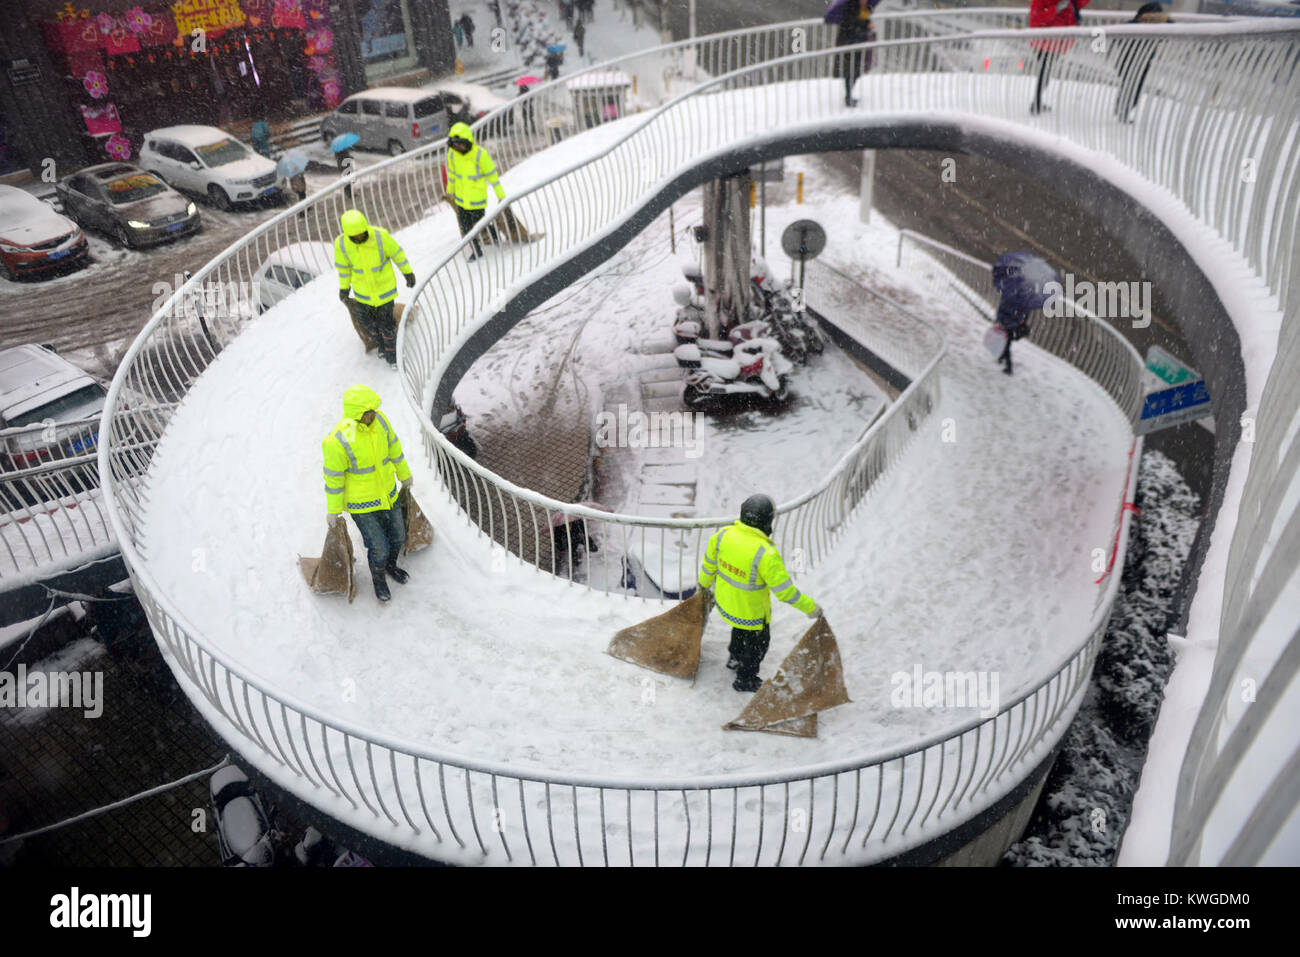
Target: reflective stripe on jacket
{"x": 363, "y": 463}
{"x": 745, "y": 564}
{"x": 367, "y": 269}
{"x": 469, "y": 176}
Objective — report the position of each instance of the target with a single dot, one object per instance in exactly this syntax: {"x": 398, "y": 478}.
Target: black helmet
{"x": 758, "y": 512}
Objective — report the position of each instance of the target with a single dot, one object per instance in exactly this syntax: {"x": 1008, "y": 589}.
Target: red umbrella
{"x": 529, "y": 80}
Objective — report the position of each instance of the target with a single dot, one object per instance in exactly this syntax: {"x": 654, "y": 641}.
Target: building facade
{"x": 83, "y": 82}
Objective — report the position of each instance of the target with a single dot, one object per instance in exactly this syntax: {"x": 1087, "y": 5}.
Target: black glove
{"x": 343, "y": 295}
{"x": 410, "y": 280}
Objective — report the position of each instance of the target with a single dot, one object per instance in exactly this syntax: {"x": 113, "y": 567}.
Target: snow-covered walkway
{"x": 976, "y": 553}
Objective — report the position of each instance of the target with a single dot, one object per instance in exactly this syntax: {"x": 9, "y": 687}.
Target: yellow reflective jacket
{"x": 746, "y": 563}
{"x": 367, "y": 269}
{"x": 469, "y": 175}
{"x": 363, "y": 463}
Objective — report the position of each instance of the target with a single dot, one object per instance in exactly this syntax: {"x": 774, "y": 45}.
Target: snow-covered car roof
{"x": 192, "y": 134}
{"x": 480, "y": 97}
{"x": 316, "y": 258}
{"x": 31, "y": 375}
{"x": 599, "y": 81}
{"x": 403, "y": 94}
{"x": 25, "y": 219}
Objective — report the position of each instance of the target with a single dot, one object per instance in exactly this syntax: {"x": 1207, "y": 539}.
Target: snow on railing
{"x": 1208, "y": 87}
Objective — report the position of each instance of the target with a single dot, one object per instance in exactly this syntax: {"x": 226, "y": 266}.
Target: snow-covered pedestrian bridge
{"x": 475, "y": 719}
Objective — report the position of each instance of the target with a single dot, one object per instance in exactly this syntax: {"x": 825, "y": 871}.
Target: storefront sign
{"x": 209, "y": 16}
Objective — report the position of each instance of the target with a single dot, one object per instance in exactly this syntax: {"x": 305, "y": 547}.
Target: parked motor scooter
{"x": 455, "y": 427}
{"x": 755, "y": 367}
{"x": 244, "y": 830}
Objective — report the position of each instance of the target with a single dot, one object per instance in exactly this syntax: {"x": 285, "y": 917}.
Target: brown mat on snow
{"x": 366, "y": 338}
{"x": 811, "y": 679}
{"x": 332, "y": 573}
{"x": 512, "y": 227}
{"x": 667, "y": 643}
{"x": 419, "y": 531}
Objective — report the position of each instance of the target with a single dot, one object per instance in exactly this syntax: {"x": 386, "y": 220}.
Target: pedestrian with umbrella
{"x": 292, "y": 166}
{"x": 1025, "y": 282}
{"x": 854, "y": 20}
{"x": 526, "y": 108}
{"x": 554, "y": 59}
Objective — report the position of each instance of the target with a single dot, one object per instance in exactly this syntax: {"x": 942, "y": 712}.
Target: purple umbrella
{"x": 840, "y": 9}
{"x": 1022, "y": 277}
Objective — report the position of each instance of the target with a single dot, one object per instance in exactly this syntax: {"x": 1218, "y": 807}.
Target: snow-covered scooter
{"x": 243, "y": 827}
{"x": 755, "y": 367}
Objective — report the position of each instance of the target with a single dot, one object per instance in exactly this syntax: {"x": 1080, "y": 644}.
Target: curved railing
{"x": 861, "y": 808}
{"x": 457, "y": 296}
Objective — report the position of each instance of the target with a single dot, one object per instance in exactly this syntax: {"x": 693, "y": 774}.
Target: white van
{"x": 394, "y": 119}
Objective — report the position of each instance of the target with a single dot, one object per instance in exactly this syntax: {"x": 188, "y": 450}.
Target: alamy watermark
{"x": 634, "y": 429}
{"x": 53, "y": 689}
{"x": 1105, "y": 300}
{"x": 919, "y": 688}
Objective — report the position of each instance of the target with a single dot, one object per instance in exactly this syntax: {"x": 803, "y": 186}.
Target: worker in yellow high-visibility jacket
{"x": 365, "y": 257}
{"x": 745, "y": 563}
{"x": 470, "y": 171}
{"x": 364, "y": 465}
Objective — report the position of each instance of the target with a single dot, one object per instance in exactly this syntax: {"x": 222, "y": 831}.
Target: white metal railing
{"x": 863, "y": 807}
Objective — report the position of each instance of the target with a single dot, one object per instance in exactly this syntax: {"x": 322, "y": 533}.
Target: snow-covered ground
{"x": 948, "y": 570}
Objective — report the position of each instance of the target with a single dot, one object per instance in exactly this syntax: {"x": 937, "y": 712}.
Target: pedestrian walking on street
{"x": 1050, "y": 13}
{"x": 553, "y": 62}
{"x": 1134, "y": 61}
{"x": 365, "y": 471}
{"x": 746, "y": 565}
{"x": 495, "y": 7}
{"x": 854, "y": 20}
{"x": 458, "y": 32}
{"x": 467, "y": 26}
{"x": 566, "y": 8}
{"x": 588, "y": 10}
{"x": 470, "y": 171}
{"x": 579, "y": 34}
{"x": 364, "y": 256}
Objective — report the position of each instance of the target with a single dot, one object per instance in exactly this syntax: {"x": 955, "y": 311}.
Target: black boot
{"x": 381, "y": 586}
{"x": 747, "y": 683}
{"x": 398, "y": 575}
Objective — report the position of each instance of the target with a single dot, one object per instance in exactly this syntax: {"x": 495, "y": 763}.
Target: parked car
{"x": 396, "y": 119}
{"x": 134, "y": 207}
{"x": 39, "y": 386}
{"x": 209, "y": 162}
{"x": 34, "y": 238}
{"x": 289, "y": 268}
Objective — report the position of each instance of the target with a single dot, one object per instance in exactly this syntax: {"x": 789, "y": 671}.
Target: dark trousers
{"x": 379, "y": 322}
{"x": 384, "y": 534}
{"x": 467, "y": 219}
{"x": 1046, "y": 58}
{"x": 748, "y": 648}
{"x": 1020, "y": 332}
